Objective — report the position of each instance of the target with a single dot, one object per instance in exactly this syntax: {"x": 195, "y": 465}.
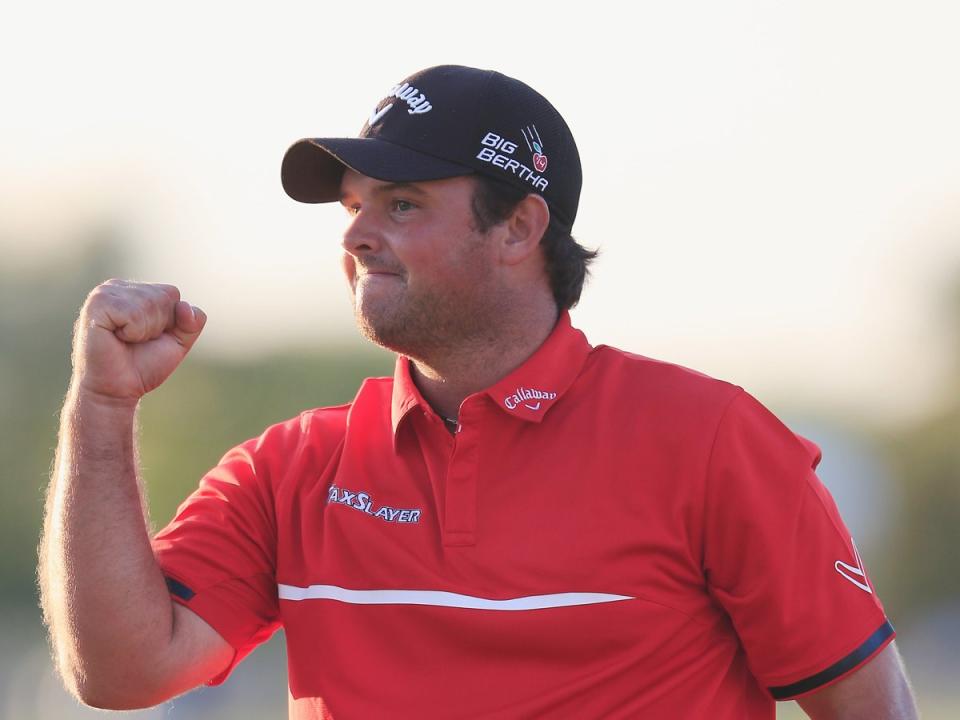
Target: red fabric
{"x": 587, "y": 470}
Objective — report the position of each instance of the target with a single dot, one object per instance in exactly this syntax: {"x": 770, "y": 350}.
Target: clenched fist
{"x": 130, "y": 336}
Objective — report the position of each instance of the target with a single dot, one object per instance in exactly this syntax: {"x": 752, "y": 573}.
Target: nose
{"x": 362, "y": 235}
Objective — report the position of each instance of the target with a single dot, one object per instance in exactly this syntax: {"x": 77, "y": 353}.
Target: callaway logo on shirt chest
{"x": 362, "y": 502}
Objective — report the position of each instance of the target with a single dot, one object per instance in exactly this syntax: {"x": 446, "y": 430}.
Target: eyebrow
{"x": 387, "y": 188}
{"x": 394, "y": 186}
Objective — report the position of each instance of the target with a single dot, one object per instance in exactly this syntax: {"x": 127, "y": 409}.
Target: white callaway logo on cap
{"x": 410, "y": 95}
{"x": 377, "y": 114}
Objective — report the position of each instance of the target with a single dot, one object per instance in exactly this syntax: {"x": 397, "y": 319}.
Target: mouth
{"x": 368, "y": 280}
{"x": 374, "y": 275}
{"x": 376, "y": 271}
{"x": 371, "y": 273}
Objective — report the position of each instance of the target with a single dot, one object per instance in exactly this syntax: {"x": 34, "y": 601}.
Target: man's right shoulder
{"x": 327, "y": 425}
{"x": 309, "y": 440}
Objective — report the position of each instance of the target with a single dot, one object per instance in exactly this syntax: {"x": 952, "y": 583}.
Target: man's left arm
{"x": 876, "y": 691}
{"x": 779, "y": 559}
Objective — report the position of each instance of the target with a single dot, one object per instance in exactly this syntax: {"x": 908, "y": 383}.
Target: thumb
{"x": 188, "y": 322}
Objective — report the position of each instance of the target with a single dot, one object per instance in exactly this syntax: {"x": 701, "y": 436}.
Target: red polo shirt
{"x": 605, "y": 536}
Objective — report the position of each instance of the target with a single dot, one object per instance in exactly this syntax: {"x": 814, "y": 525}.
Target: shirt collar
{"x": 534, "y": 387}
{"x": 526, "y": 393}
{"x": 406, "y": 394}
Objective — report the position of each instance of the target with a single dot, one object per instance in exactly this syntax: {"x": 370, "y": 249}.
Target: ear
{"x": 524, "y": 229}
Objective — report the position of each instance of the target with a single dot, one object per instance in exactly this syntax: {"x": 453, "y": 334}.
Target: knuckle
{"x": 108, "y": 287}
{"x": 96, "y": 297}
{"x": 114, "y": 282}
{"x": 136, "y": 315}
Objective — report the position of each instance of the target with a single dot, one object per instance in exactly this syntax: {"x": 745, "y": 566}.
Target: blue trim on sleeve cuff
{"x": 179, "y": 589}
{"x": 869, "y": 647}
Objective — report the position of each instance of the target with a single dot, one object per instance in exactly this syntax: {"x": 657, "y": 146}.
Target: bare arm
{"x": 876, "y": 691}
{"x": 119, "y": 640}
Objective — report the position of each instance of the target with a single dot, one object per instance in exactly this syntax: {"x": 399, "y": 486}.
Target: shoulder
{"x": 313, "y": 425}
{"x": 317, "y": 431}
{"x": 664, "y": 388}
{"x": 681, "y": 400}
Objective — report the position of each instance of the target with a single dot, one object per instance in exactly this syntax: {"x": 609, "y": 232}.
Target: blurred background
{"x": 774, "y": 188}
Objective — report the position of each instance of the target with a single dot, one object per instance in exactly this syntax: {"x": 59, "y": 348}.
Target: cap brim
{"x": 313, "y": 167}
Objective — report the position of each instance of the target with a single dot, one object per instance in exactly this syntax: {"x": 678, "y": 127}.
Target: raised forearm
{"x": 103, "y": 594}
{"x": 115, "y": 630}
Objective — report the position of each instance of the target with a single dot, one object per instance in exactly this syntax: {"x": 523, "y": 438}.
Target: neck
{"x": 446, "y": 381}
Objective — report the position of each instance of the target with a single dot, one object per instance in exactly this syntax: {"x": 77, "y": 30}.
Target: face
{"x": 423, "y": 278}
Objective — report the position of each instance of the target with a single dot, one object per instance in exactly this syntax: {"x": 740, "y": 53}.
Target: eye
{"x": 403, "y": 205}
{"x": 351, "y": 209}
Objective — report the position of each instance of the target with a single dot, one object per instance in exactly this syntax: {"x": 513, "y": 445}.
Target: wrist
{"x": 83, "y": 395}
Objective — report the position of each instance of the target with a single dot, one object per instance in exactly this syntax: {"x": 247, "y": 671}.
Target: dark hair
{"x": 566, "y": 260}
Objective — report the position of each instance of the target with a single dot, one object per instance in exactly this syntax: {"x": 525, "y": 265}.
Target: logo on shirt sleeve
{"x": 854, "y": 573}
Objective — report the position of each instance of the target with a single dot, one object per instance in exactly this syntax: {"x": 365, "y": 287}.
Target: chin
{"x": 421, "y": 327}
{"x": 395, "y": 333}
{"x": 376, "y": 327}
{"x": 384, "y": 337}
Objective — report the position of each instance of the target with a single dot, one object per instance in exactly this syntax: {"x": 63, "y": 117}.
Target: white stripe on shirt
{"x": 438, "y": 598}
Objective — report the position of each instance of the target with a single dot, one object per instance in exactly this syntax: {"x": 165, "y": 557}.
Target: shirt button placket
{"x": 461, "y": 486}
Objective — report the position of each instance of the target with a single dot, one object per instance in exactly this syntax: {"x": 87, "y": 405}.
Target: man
{"x": 515, "y": 525}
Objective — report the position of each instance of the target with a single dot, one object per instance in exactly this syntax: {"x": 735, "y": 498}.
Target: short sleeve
{"x": 779, "y": 559}
{"x": 219, "y": 552}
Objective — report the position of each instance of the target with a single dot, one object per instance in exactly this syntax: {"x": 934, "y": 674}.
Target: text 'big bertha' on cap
{"x": 442, "y": 122}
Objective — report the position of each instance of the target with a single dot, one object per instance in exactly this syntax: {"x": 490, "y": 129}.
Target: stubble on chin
{"x": 391, "y": 326}
{"x": 428, "y": 327}
{"x": 370, "y": 328}
{"x": 380, "y": 321}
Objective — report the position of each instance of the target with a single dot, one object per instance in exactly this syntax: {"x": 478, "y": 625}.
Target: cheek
{"x": 459, "y": 250}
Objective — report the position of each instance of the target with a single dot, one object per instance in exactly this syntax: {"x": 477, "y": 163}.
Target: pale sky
{"x": 775, "y": 187}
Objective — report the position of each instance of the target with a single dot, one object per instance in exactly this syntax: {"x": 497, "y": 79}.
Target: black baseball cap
{"x": 443, "y": 122}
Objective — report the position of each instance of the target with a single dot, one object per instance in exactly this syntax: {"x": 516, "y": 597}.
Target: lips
{"x": 372, "y": 267}
{"x": 373, "y": 271}
{"x": 376, "y": 274}
{"x": 376, "y": 278}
